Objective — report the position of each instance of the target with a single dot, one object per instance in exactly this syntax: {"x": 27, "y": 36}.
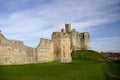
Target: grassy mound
{"x": 89, "y": 54}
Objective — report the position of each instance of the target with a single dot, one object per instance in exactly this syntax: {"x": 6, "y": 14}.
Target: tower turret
{"x": 68, "y": 27}
{"x": 85, "y": 39}
{"x": 62, "y": 30}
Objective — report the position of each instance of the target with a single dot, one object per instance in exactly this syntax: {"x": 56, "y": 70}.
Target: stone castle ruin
{"x": 59, "y": 48}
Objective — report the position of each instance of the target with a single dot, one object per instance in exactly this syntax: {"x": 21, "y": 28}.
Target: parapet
{"x": 73, "y": 30}
{"x": 42, "y": 40}
{"x": 85, "y": 35}
{"x": 44, "y": 44}
{"x": 45, "y": 41}
{"x": 58, "y": 35}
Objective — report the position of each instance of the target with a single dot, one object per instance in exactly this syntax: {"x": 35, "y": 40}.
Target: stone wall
{"x": 75, "y": 40}
{"x": 61, "y": 42}
{"x": 15, "y": 52}
{"x": 58, "y": 49}
{"x": 85, "y": 41}
{"x": 45, "y": 51}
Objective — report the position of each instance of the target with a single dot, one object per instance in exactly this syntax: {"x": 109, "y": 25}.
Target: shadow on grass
{"x": 112, "y": 70}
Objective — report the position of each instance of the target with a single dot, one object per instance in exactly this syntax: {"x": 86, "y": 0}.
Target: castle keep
{"x": 59, "y": 48}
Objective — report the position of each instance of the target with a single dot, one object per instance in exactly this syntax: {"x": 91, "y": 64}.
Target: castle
{"x": 59, "y": 48}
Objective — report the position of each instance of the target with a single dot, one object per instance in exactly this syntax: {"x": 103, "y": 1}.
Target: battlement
{"x": 58, "y": 35}
{"x": 45, "y": 42}
{"x": 73, "y": 30}
{"x": 85, "y": 35}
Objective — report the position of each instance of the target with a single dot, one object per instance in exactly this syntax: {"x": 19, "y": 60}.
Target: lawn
{"x": 81, "y": 69}
{"x": 86, "y": 65}
{"x": 112, "y": 70}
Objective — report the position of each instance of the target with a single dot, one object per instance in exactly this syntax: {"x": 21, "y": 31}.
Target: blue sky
{"x": 30, "y": 20}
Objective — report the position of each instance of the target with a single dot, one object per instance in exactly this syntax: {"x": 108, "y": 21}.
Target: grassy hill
{"x": 86, "y": 65}
{"x": 89, "y": 54}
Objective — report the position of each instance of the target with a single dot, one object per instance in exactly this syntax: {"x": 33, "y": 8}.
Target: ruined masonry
{"x": 58, "y": 49}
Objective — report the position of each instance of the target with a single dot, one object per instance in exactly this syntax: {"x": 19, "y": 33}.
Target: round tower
{"x": 68, "y": 28}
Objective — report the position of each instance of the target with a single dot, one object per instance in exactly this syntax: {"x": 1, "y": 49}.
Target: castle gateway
{"x": 58, "y": 49}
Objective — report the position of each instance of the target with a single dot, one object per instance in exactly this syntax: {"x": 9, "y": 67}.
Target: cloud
{"x": 28, "y": 19}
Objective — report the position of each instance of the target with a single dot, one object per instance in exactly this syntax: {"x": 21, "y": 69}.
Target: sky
{"x": 30, "y": 20}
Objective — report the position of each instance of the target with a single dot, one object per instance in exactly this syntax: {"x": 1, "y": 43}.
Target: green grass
{"x": 86, "y": 65}
{"x": 77, "y": 70}
{"x": 112, "y": 70}
{"x": 89, "y": 54}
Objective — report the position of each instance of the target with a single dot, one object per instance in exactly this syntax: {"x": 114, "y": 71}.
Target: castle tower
{"x": 85, "y": 41}
{"x": 61, "y": 43}
{"x": 75, "y": 40}
{"x": 68, "y": 28}
{"x": 65, "y": 53}
{"x": 62, "y": 30}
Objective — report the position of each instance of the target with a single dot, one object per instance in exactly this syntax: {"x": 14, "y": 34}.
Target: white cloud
{"x": 40, "y": 21}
